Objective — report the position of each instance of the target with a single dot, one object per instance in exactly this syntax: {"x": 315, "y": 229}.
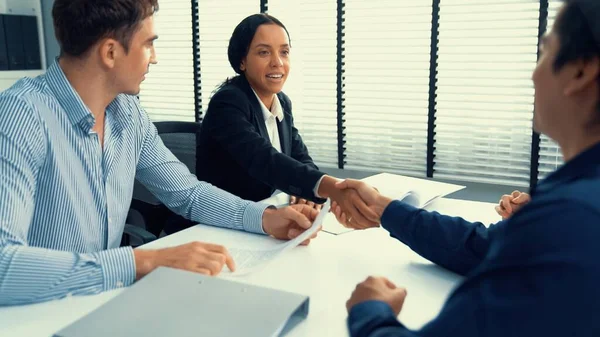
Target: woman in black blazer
{"x": 248, "y": 143}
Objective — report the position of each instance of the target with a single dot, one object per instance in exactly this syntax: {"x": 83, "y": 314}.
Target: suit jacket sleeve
{"x": 229, "y": 123}
{"x": 450, "y": 242}
{"x": 537, "y": 280}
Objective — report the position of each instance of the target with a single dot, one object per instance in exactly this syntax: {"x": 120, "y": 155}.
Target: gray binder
{"x": 172, "y": 302}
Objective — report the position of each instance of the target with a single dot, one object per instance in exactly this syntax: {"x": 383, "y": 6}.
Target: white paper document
{"x": 414, "y": 191}
{"x": 248, "y": 260}
{"x": 278, "y": 199}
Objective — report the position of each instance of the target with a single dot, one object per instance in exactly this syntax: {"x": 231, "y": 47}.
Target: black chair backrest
{"x": 182, "y": 139}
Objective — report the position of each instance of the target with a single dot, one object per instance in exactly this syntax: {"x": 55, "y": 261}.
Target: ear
{"x": 243, "y": 65}
{"x": 109, "y": 50}
{"x": 584, "y": 74}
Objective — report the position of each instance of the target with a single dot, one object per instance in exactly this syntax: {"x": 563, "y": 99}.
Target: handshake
{"x": 358, "y": 205}
{"x": 355, "y": 204}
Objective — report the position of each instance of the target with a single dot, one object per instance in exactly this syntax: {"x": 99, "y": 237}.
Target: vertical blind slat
{"x": 313, "y": 31}
{"x": 175, "y": 68}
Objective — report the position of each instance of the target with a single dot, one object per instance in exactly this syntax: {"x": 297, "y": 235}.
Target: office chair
{"x": 148, "y": 218}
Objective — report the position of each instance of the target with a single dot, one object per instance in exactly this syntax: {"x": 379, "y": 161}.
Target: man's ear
{"x": 583, "y": 74}
{"x": 243, "y": 65}
{"x": 109, "y": 50}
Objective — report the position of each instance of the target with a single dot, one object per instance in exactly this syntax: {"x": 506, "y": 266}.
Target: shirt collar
{"x": 276, "y": 109}
{"x": 586, "y": 164}
{"x": 67, "y": 97}
{"x": 73, "y": 105}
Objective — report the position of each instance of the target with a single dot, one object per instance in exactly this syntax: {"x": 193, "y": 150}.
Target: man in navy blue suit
{"x": 538, "y": 272}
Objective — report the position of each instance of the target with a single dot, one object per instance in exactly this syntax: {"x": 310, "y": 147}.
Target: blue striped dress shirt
{"x": 64, "y": 198}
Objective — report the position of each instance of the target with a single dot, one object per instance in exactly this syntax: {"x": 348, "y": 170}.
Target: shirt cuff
{"x": 395, "y": 213}
{"x": 370, "y": 308}
{"x": 317, "y": 185}
{"x": 368, "y": 316}
{"x": 253, "y": 217}
{"x": 118, "y": 267}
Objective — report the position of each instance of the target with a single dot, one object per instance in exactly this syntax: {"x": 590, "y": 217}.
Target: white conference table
{"x": 327, "y": 270}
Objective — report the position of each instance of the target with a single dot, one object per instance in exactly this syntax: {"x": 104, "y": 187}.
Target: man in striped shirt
{"x": 72, "y": 142}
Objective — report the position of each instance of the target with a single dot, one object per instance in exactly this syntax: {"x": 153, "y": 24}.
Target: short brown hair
{"x": 79, "y": 24}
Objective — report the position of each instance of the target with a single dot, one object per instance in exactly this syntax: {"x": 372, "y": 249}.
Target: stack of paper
{"x": 419, "y": 192}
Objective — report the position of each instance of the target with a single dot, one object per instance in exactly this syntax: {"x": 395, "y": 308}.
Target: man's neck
{"x": 579, "y": 143}
{"x": 89, "y": 83}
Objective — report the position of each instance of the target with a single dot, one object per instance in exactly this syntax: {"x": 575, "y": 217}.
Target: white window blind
{"x": 168, "y": 91}
{"x": 550, "y": 155}
{"x": 387, "y": 54}
{"x": 312, "y": 85}
{"x": 217, "y": 20}
{"x": 486, "y": 54}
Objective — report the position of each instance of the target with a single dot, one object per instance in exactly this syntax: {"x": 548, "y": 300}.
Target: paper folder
{"x": 176, "y": 303}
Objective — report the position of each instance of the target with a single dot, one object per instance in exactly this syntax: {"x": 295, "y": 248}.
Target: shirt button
{"x": 119, "y": 284}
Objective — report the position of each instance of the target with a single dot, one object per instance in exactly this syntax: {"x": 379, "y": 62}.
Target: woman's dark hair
{"x": 79, "y": 24}
{"x": 578, "y": 33}
{"x": 239, "y": 43}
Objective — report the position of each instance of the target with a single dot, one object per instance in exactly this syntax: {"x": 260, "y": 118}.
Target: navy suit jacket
{"x": 536, "y": 274}
{"x": 235, "y": 154}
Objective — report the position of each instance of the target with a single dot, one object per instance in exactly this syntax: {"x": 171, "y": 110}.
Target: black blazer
{"x": 235, "y": 154}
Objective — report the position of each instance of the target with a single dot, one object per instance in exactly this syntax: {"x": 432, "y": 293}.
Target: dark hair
{"x": 241, "y": 39}
{"x": 79, "y": 24}
{"x": 578, "y": 33}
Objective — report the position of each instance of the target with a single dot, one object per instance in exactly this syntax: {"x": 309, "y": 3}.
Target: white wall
{"x": 23, "y": 7}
